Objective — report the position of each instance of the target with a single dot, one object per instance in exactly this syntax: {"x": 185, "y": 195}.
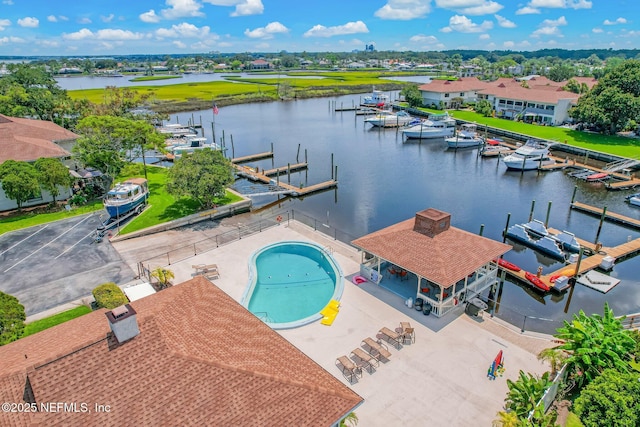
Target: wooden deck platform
{"x": 622, "y": 182}
{"x": 252, "y": 157}
{"x": 610, "y": 216}
{"x": 283, "y": 169}
{"x": 250, "y": 173}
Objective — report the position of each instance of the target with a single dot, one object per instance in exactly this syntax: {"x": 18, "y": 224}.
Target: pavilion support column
{"x": 466, "y": 282}
{"x": 379, "y": 277}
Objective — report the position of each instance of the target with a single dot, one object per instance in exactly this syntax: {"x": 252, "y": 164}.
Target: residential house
{"x": 28, "y": 140}
{"x": 260, "y": 64}
{"x": 189, "y": 355}
{"x": 532, "y": 98}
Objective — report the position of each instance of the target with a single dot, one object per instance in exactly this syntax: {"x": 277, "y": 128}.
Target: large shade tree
{"x": 614, "y": 102}
{"x": 12, "y": 317}
{"x": 109, "y": 142}
{"x": 202, "y": 175}
{"x": 19, "y": 181}
{"x": 52, "y": 175}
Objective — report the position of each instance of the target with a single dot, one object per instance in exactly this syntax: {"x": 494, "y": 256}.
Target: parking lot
{"x": 48, "y": 265}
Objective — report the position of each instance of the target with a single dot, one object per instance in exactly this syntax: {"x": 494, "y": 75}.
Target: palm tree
{"x": 506, "y": 419}
{"x": 350, "y": 420}
{"x": 163, "y": 276}
{"x": 554, "y": 356}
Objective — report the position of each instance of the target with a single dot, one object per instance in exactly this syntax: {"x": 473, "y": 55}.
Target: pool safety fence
{"x": 524, "y": 322}
{"x": 325, "y": 227}
{"x": 205, "y": 245}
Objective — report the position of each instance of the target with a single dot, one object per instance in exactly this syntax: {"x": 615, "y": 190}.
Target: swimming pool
{"x": 290, "y": 282}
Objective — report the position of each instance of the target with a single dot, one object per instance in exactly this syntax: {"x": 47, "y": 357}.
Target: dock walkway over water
{"x": 284, "y": 188}
{"x": 609, "y": 216}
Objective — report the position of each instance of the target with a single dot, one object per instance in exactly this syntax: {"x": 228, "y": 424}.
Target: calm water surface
{"x": 383, "y": 181}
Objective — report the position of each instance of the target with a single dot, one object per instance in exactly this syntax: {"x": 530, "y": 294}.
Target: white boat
{"x": 388, "y": 119}
{"x": 376, "y": 99}
{"x": 125, "y": 197}
{"x": 175, "y": 129}
{"x": 530, "y": 156}
{"x": 431, "y": 129}
{"x": 466, "y": 136}
{"x": 634, "y": 199}
{"x": 192, "y": 144}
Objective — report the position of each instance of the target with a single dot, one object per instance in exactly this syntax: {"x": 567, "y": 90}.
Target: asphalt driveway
{"x": 51, "y": 264}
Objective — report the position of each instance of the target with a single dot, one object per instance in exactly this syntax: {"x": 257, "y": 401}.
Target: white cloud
{"x": 53, "y": 18}
{"x": 462, "y": 24}
{"x": 616, "y": 22}
{"x": 183, "y": 30}
{"x": 504, "y": 22}
{"x": 48, "y": 43}
{"x": 266, "y": 32}
{"x": 484, "y": 36}
{"x": 404, "y": 9}
{"x": 108, "y": 18}
{"x": 107, "y": 46}
{"x": 508, "y": 44}
{"x": 348, "y": 28}
{"x": 421, "y": 38}
{"x": 117, "y": 34}
{"x": 7, "y": 2}
{"x": 84, "y": 20}
{"x": 471, "y": 7}
{"x": 4, "y": 23}
{"x": 84, "y": 33}
{"x": 597, "y": 30}
{"x": 243, "y": 7}
{"x": 149, "y": 17}
{"x": 179, "y": 44}
{"x": 528, "y": 11}
{"x": 549, "y": 27}
{"x": 561, "y": 4}
{"x": 29, "y": 22}
{"x": 181, "y": 9}
{"x": 5, "y": 39}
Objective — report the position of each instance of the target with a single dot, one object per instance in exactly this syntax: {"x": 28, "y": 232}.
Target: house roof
{"x": 445, "y": 258}
{"x": 28, "y": 140}
{"x": 549, "y": 95}
{"x": 447, "y": 86}
{"x": 200, "y": 359}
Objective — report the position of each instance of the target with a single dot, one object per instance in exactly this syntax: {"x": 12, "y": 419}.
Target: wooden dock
{"x": 623, "y": 181}
{"x": 288, "y": 189}
{"x": 252, "y": 157}
{"x": 284, "y": 169}
{"x": 609, "y": 216}
{"x": 619, "y": 252}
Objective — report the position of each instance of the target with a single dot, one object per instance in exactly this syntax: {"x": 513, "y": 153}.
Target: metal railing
{"x": 324, "y": 227}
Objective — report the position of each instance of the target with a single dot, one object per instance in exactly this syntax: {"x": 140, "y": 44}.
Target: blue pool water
{"x": 290, "y": 282}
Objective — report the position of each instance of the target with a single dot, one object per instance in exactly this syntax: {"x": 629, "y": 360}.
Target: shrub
{"x": 109, "y": 296}
{"x": 12, "y": 318}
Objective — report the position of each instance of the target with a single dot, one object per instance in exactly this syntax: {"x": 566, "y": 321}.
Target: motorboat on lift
{"x": 389, "y": 119}
{"x": 633, "y": 199}
{"x": 466, "y": 136}
{"x": 376, "y": 99}
{"x": 531, "y": 155}
{"x": 192, "y": 144}
{"x": 431, "y": 129}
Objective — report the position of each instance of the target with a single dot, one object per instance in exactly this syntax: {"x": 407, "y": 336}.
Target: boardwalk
{"x": 255, "y": 175}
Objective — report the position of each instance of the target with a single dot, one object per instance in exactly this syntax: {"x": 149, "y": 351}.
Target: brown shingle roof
{"x": 444, "y": 259}
{"x": 28, "y": 140}
{"x": 200, "y": 359}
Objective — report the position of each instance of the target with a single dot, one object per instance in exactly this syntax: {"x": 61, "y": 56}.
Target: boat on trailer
{"x": 126, "y": 197}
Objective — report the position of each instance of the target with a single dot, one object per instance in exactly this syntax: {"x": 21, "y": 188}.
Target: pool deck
{"x": 440, "y": 380}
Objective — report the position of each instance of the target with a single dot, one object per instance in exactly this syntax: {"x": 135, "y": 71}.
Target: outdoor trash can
{"x": 475, "y": 306}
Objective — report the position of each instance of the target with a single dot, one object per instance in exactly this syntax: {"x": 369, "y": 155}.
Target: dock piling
{"x": 481, "y": 230}
{"x": 298, "y": 154}
{"x": 332, "y": 166}
{"x": 573, "y": 197}
{"x": 546, "y": 221}
{"x": 533, "y": 205}
{"x": 506, "y": 227}
{"x": 335, "y": 178}
{"x": 289, "y": 173}
{"x": 602, "y": 217}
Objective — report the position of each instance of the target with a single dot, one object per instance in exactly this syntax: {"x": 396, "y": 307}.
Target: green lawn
{"x": 30, "y": 219}
{"x": 56, "y": 319}
{"x": 163, "y": 207}
{"x": 617, "y": 145}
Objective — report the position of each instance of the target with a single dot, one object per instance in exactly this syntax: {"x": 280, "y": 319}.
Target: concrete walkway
{"x": 440, "y": 380}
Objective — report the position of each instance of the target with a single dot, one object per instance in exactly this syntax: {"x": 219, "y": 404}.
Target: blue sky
{"x": 99, "y": 27}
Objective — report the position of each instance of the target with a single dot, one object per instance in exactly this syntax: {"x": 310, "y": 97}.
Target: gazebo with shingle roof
{"x": 449, "y": 264}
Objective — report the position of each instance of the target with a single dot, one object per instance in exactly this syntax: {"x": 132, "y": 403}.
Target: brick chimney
{"x": 123, "y": 323}
{"x": 431, "y": 222}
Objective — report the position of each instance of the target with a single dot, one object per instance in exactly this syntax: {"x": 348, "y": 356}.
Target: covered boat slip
{"x": 426, "y": 258}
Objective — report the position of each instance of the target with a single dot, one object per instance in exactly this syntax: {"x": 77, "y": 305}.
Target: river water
{"x": 383, "y": 181}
